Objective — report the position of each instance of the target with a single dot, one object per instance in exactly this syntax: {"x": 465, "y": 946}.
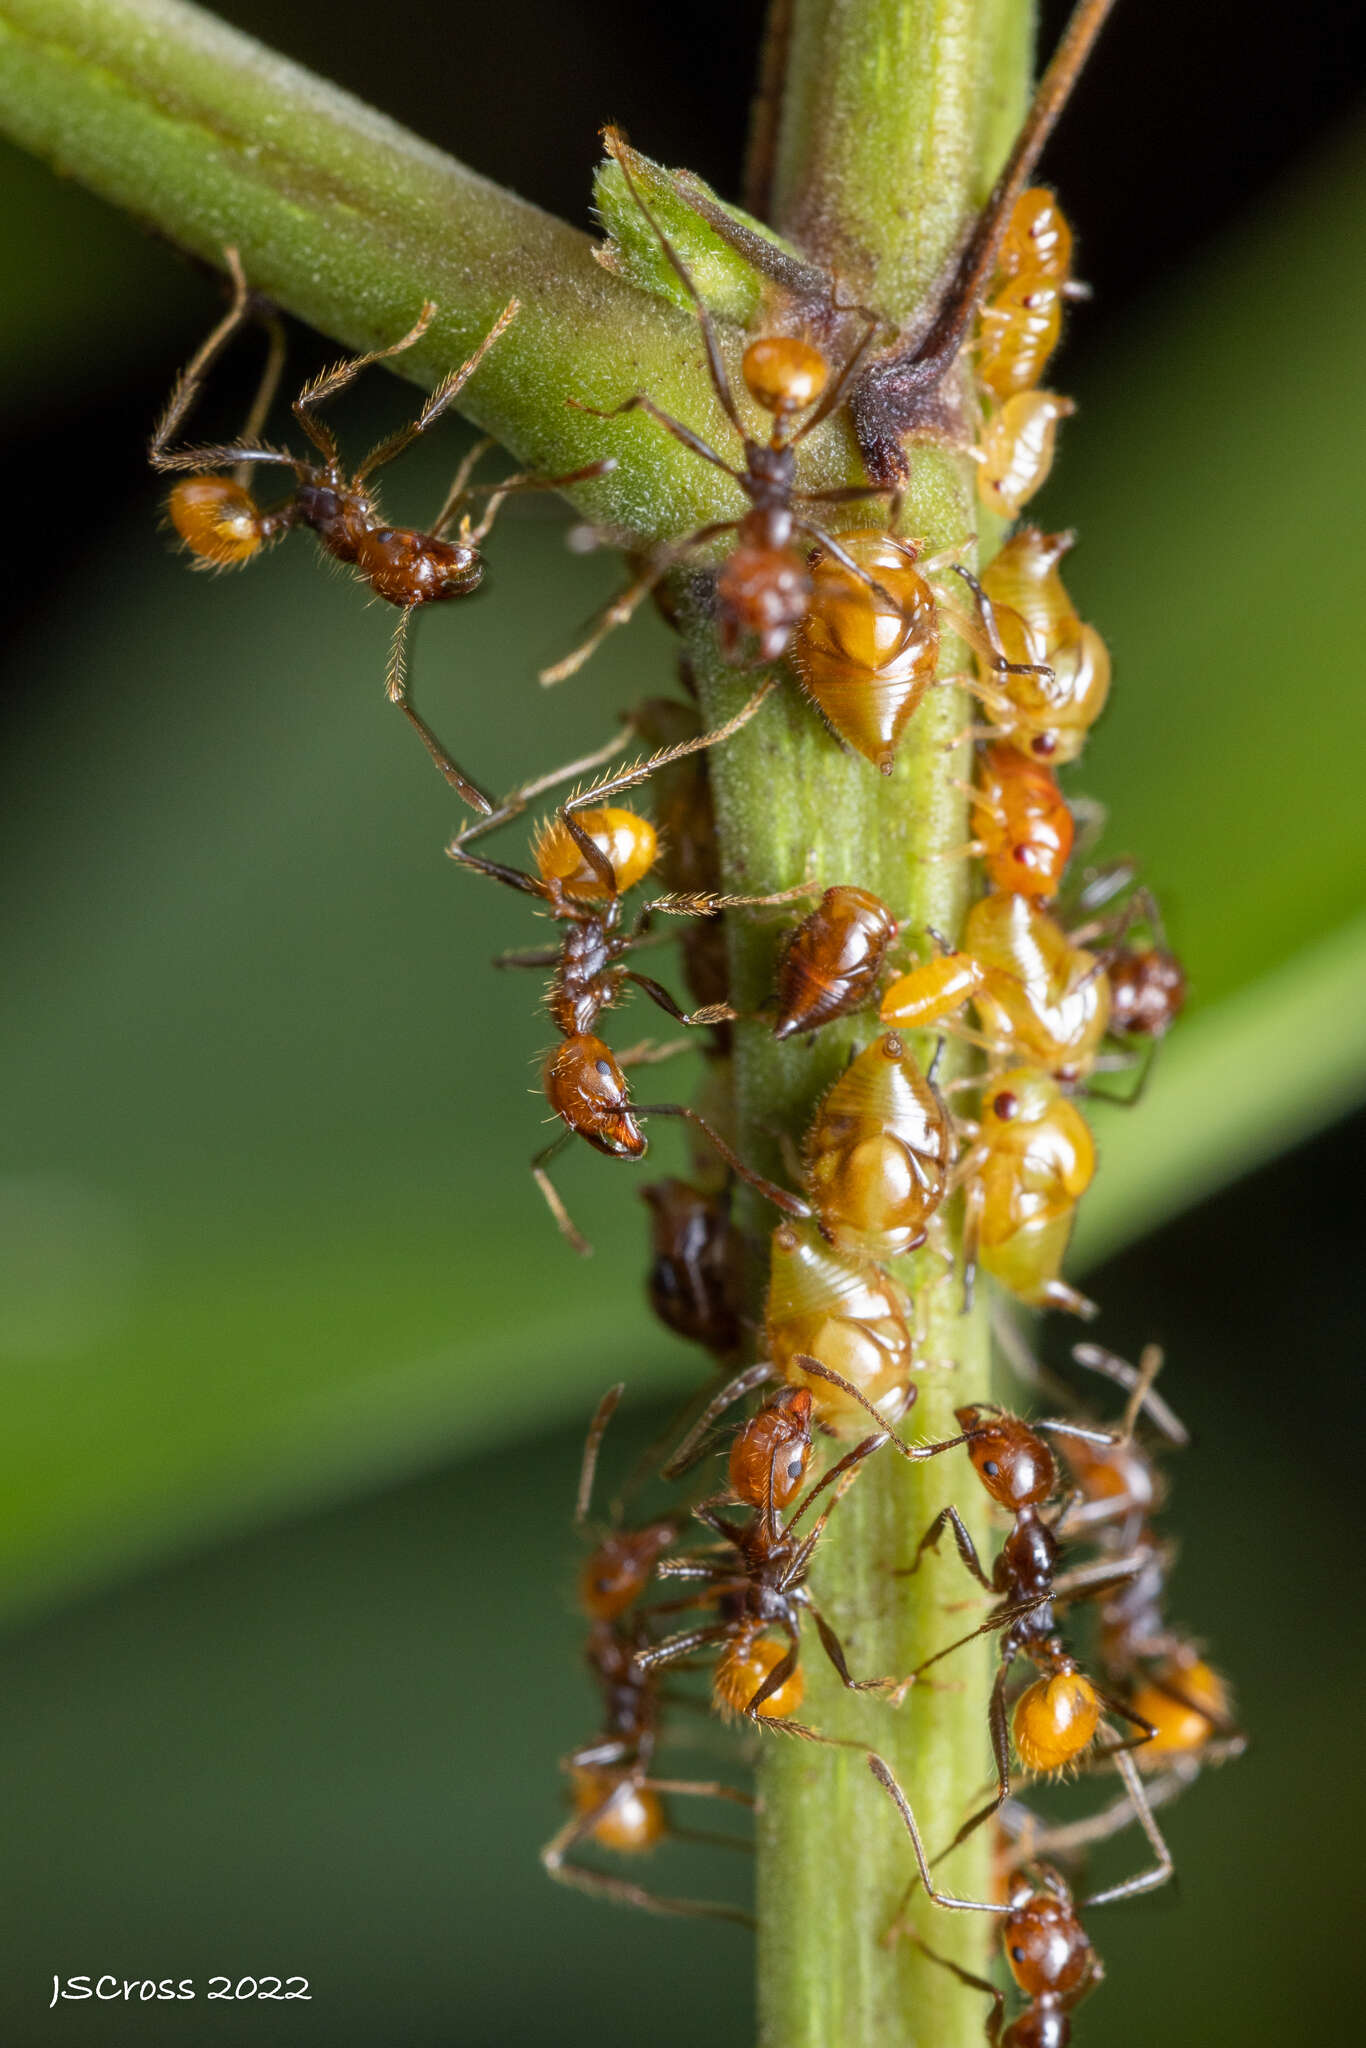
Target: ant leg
{"x": 835, "y": 394}
{"x": 949, "y": 1518}
{"x": 525, "y": 481}
{"x": 1163, "y": 1866}
{"x": 675, "y": 1647}
{"x": 265, "y": 390}
{"x": 191, "y": 379}
{"x": 449, "y": 388}
{"x": 711, "y": 1013}
{"x": 693, "y": 1444}
{"x": 516, "y": 802}
{"x": 617, "y": 148}
{"x": 781, "y": 1198}
{"x": 395, "y": 689}
{"x": 887, "y": 1778}
{"x": 597, "y": 1429}
{"x": 460, "y": 484}
{"x": 553, "y": 1202}
{"x": 1096, "y": 1358}
{"x": 834, "y": 1650}
{"x": 1000, "y": 1747}
{"x": 640, "y": 771}
{"x": 621, "y": 609}
{"x": 328, "y": 383}
{"x": 619, "y": 1889}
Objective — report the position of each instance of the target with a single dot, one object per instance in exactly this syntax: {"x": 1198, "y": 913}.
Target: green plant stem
{"x": 897, "y": 118}
{"x": 348, "y": 221}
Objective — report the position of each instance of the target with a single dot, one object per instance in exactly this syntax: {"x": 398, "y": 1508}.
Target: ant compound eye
{"x": 1017, "y": 1955}
{"x": 991, "y": 1468}
{"x": 794, "y": 1470}
{"x": 1006, "y": 1106}
{"x": 602, "y": 1068}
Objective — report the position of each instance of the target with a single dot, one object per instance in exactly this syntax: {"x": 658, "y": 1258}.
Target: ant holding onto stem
{"x": 764, "y": 587}
{"x": 618, "y": 1802}
{"x": 587, "y": 858}
{"x": 221, "y": 524}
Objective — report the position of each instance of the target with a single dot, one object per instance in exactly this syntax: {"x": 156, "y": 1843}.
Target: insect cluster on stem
{"x": 1061, "y": 974}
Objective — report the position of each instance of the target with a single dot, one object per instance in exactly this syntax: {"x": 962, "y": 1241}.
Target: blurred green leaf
{"x": 268, "y": 1228}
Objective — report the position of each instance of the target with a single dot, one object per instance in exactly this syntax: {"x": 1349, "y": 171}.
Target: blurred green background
{"x": 295, "y": 1371}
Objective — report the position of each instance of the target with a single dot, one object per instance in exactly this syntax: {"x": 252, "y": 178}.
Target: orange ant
{"x": 1059, "y": 1714}
{"x": 587, "y": 859}
{"x": 764, "y": 587}
{"x": 1048, "y": 1950}
{"x": 757, "y": 1584}
{"x": 618, "y": 1802}
{"x": 221, "y": 524}
{"x": 902, "y": 392}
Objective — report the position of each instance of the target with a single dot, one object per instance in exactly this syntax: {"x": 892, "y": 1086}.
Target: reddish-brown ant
{"x": 757, "y": 1582}
{"x": 764, "y": 586}
{"x": 618, "y": 1802}
{"x": 1048, "y": 1950}
{"x": 221, "y": 524}
{"x": 587, "y": 858}
{"x": 1059, "y": 1714}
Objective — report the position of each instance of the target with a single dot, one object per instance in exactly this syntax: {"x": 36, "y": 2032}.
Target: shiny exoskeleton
{"x": 877, "y": 1153}
{"x": 866, "y": 655}
{"x": 1031, "y": 1159}
{"x": 1058, "y": 1715}
{"x": 764, "y": 586}
{"x": 222, "y": 526}
{"x": 618, "y": 1804}
{"x": 1023, "y": 825}
{"x": 756, "y": 1584}
{"x": 1050, "y": 1957}
{"x": 587, "y": 856}
{"x": 697, "y": 1256}
{"x": 851, "y": 1315}
{"x": 830, "y": 962}
{"x": 1048, "y": 709}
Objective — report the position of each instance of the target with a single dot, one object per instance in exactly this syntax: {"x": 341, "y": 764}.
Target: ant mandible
{"x": 587, "y": 859}
{"x": 221, "y": 524}
{"x": 764, "y": 587}
{"x": 618, "y": 1803}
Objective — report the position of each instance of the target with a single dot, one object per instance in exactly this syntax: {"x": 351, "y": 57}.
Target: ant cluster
{"x": 1054, "y": 981}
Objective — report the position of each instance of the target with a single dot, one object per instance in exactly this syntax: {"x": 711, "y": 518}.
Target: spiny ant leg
{"x": 449, "y": 388}
{"x": 553, "y": 1202}
{"x": 526, "y": 793}
{"x": 622, "y": 608}
{"x": 887, "y": 1778}
{"x": 715, "y": 361}
{"x": 597, "y": 1429}
{"x": 664, "y": 757}
{"x": 694, "y": 1443}
{"x": 454, "y": 497}
{"x": 949, "y": 1518}
{"x": 781, "y": 1198}
{"x": 1000, "y": 1749}
{"x": 599, "y": 1884}
{"x": 395, "y": 689}
{"x": 1163, "y": 1867}
{"x": 328, "y": 383}
{"x": 189, "y": 382}
{"x": 525, "y": 481}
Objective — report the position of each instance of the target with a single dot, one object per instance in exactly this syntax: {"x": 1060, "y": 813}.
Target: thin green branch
{"x": 348, "y": 221}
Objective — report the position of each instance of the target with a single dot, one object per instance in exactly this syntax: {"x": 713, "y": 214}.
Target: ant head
{"x": 585, "y": 1086}
{"x": 784, "y": 375}
{"x": 773, "y": 1450}
{"x": 1045, "y": 1943}
{"x": 1015, "y": 1466}
{"x": 626, "y": 841}
{"x": 1055, "y": 1720}
{"x": 217, "y": 519}
{"x": 617, "y": 1572}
